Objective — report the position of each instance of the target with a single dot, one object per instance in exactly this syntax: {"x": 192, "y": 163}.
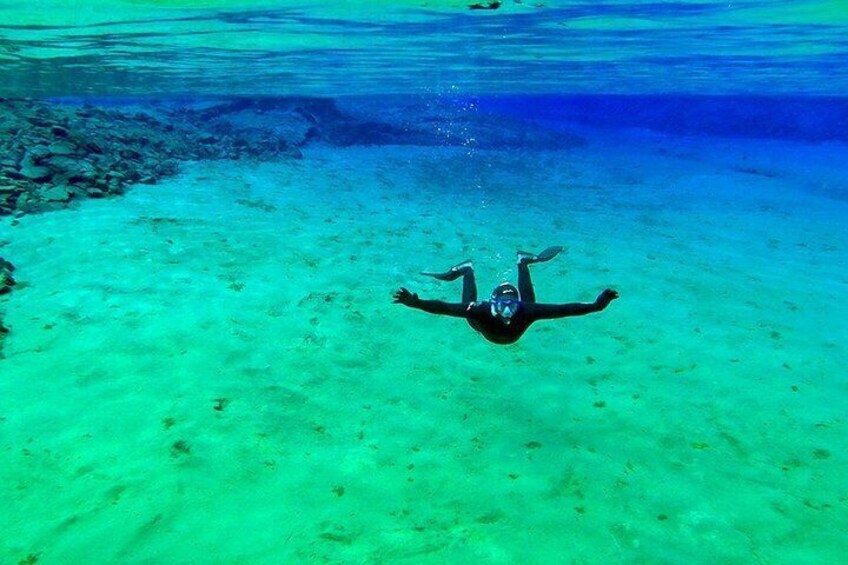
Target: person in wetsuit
{"x": 508, "y": 313}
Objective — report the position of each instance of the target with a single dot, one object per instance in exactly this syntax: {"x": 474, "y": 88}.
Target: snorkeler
{"x": 508, "y": 313}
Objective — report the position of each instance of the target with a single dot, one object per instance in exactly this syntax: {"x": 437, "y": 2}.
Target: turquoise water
{"x": 255, "y": 47}
{"x": 205, "y": 212}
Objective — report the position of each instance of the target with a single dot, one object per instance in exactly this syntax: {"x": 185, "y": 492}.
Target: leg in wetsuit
{"x": 525, "y": 285}
{"x": 469, "y": 285}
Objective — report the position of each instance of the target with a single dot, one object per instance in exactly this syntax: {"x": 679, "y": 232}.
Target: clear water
{"x": 55, "y": 47}
{"x": 203, "y": 362}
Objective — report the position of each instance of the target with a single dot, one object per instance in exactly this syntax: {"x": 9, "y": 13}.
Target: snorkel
{"x": 505, "y": 302}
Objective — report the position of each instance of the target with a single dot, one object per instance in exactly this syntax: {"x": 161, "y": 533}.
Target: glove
{"x": 606, "y": 297}
{"x": 403, "y": 296}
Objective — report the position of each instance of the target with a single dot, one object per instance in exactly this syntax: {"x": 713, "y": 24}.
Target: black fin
{"x": 545, "y": 255}
{"x": 451, "y": 274}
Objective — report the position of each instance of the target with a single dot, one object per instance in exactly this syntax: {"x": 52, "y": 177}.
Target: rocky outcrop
{"x": 7, "y": 281}
{"x": 52, "y": 155}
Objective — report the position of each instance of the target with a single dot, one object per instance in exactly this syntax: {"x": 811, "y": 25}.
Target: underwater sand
{"x": 211, "y": 370}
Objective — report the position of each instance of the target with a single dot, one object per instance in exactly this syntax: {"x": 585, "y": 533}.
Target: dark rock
{"x": 115, "y": 186}
{"x": 59, "y": 131}
{"x": 3, "y": 332}
{"x": 81, "y": 171}
{"x": 22, "y": 204}
{"x": 77, "y": 191}
{"x": 130, "y": 154}
{"x": 93, "y": 147}
{"x": 63, "y": 147}
{"x": 56, "y": 194}
{"x": 38, "y": 121}
{"x": 8, "y": 203}
{"x": 132, "y": 175}
{"x": 14, "y": 175}
{"x": 36, "y": 154}
{"x": 61, "y": 164}
{"x": 35, "y": 173}
{"x": 7, "y": 281}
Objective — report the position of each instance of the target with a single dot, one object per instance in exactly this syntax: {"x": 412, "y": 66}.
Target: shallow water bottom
{"x": 211, "y": 369}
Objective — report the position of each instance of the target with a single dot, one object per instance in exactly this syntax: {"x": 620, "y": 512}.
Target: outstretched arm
{"x": 403, "y": 296}
{"x": 549, "y": 311}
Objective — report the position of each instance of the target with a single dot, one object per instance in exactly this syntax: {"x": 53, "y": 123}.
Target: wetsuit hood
{"x": 505, "y": 301}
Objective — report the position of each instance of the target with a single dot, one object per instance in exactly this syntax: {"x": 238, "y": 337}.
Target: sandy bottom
{"x": 211, "y": 370}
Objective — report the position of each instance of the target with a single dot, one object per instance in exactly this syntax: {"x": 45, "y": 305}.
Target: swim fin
{"x": 453, "y": 273}
{"x": 545, "y": 255}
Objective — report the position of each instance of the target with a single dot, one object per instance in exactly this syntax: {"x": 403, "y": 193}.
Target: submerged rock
{"x": 56, "y": 194}
{"x": 35, "y": 173}
{"x": 63, "y": 147}
{"x": 3, "y": 331}
{"x": 8, "y": 198}
{"x": 7, "y": 281}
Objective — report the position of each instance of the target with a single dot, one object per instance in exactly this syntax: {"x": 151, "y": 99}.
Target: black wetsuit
{"x": 492, "y": 327}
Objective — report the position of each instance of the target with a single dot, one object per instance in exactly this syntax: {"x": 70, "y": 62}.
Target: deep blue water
{"x": 800, "y": 118}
